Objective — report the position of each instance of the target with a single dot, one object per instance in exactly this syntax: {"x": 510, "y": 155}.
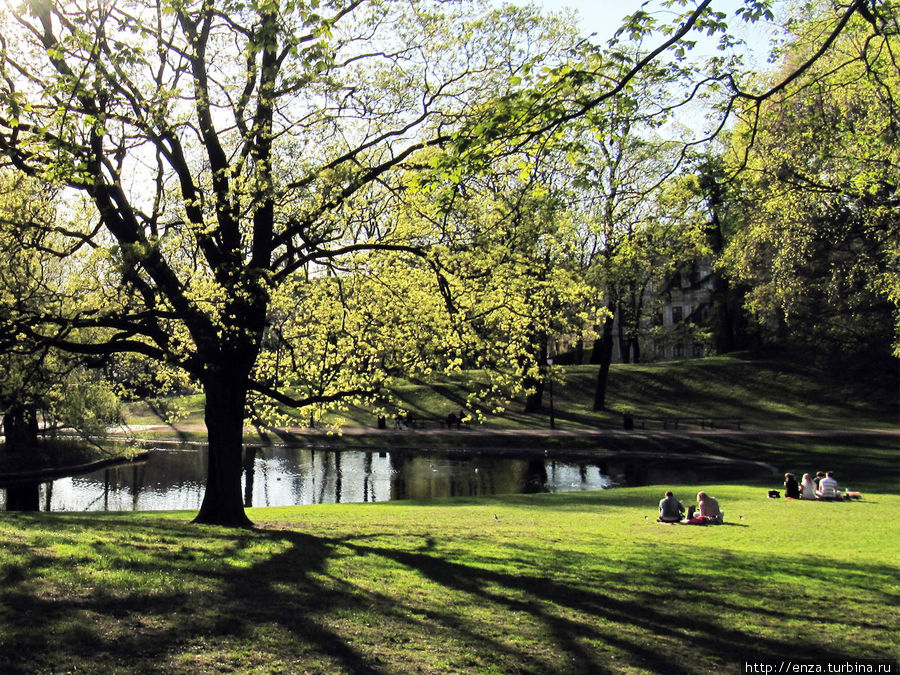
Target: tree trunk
{"x": 624, "y": 342}
{"x": 226, "y": 398}
{"x": 726, "y": 302}
{"x": 604, "y": 348}
{"x": 23, "y": 497}
{"x": 535, "y": 401}
{"x": 579, "y": 352}
{"x": 20, "y": 427}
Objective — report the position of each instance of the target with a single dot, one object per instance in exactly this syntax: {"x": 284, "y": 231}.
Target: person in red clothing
{"x": 709, "y": 511}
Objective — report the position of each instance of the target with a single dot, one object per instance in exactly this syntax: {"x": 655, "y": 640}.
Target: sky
{"x": 603, "y": 17}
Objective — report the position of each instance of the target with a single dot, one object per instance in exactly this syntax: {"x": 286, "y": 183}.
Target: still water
{"x": 172, "y": 478}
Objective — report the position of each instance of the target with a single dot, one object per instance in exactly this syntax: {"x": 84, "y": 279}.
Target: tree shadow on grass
{"x": 373, "y": 603}
{"x": 204, "y": 604}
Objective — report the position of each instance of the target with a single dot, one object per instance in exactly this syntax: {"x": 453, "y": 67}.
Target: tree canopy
{"x": 817, "y": 234}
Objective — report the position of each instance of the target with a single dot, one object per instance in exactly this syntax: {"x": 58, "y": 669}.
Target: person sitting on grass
{"x": 791, "y": 487}
{"x": 828, "y": 487}
{"x": 670, "y": 509}
{"x": 710, "y": 513}
{"x": 808, "y": 487}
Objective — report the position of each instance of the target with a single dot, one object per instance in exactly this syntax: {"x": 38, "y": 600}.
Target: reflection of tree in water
{"x": 635, "y": 474}
{"x": 249, "y": 475}
{"x": 277, "y": 476}
{"x": 337, "y": 478}
{"x": 536, "y": 476}
{"x": 368, "y": 485}
{"x": 23, "y": 497}
{"x": 398, "y": 478}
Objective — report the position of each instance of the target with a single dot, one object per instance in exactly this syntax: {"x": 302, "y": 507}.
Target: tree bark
{"x": 23, "y": 497}
{"x": 604, "y": 351}
{"x": 535, "y": 401}
{"x": 624, "y": 341}
{"x": 20, "y": 427}
{"x": 226, "y": 398}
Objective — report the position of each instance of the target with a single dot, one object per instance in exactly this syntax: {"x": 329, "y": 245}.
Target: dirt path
{"x": 180, "y": 430}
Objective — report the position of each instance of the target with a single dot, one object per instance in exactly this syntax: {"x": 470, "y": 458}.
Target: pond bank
{"x": 51, "y": 473}
{"x": 357, "y": 437}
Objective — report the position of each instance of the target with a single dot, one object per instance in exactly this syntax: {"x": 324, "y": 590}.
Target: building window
{"x": 677, "y": 314}
{"x": 678, "y": 351}
{"x": 698, "y": 350}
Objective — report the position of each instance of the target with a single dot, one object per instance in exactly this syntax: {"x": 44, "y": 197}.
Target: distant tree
{"x": 818, "y": 240}
{"x": 720, "y": 206}
{"x": 633, "y": 233}
{"x": 508, "y": 243}
{"x": 39, "y": 384}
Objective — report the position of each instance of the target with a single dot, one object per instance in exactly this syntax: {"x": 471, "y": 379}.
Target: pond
{"x": 172, "y": 478}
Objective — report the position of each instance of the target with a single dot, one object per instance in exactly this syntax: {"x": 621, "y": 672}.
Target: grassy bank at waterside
{"x": 780, "y": 394}
{"x": 570, "y": 583}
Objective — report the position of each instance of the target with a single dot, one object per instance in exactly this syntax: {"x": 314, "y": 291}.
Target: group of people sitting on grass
{"x": 707, "y": 511}
{"x": 822, "y": 486}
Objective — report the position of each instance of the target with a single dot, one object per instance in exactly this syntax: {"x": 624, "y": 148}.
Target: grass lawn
{"x": 569, "y": 583}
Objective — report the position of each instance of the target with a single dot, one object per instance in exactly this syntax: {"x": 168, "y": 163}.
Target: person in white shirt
{"x": 828, "y": 487}
{"x": 807, "y": 487}
{"x": 709, "y": 508}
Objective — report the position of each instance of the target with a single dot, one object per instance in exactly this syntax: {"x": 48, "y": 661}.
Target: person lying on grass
{"x": 670, "y": 509}
{"x": 710, "y": 513}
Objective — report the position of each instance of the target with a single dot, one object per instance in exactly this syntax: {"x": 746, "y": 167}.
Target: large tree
{"x": 241, "y": 160}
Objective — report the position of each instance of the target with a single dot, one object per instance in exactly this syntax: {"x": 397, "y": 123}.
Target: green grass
{"x": 767, "y": 393}
{"x": 569, "y": 583}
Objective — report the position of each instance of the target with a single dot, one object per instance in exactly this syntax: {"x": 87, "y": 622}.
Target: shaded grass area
{"x": 860, "y": 461}
{"x": 570, "y": 583}
{"x": 765, "y": 393}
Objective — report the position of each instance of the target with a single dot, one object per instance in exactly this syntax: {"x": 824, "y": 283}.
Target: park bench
{"x": 428, "y": 421}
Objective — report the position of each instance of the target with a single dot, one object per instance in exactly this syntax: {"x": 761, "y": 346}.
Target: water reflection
{"x": 172, "y": 479}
